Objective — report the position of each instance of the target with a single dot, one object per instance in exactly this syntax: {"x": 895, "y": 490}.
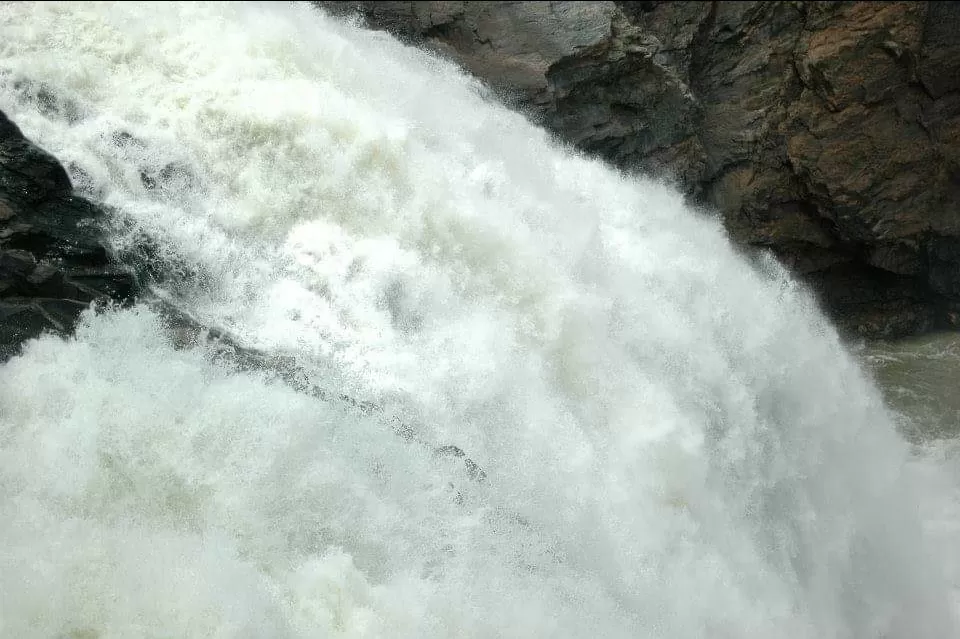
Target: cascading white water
{"x": 675, "y": 443}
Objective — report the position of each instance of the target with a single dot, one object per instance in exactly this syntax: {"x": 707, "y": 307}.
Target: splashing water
{"x": 675, "y": 443}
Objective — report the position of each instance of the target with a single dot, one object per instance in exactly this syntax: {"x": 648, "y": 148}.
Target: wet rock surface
{"x": 53, "y": 260}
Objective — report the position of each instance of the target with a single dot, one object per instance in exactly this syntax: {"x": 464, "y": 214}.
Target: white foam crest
{"x": 150, "y": 490}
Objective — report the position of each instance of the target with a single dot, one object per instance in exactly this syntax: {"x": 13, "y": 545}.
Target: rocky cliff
{"x": 827, "y": 132}
{"x": 53, "y": 261}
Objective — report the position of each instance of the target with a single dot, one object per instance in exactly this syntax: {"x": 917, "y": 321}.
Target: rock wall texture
{"x": 53, "y": 263}
{"x": 827, "y": 132}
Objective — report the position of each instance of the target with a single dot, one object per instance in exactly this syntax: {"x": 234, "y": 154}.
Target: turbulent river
{"x": 665, "y": 437}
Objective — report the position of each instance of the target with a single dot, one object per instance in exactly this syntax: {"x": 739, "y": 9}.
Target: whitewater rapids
{"x": 675, "y": 442}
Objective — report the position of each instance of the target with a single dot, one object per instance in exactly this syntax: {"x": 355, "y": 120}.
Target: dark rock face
{"x": 53, "y": 262}
{"x": 827, "y": 132}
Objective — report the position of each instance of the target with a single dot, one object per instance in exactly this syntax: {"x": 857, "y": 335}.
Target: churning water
{"x": 673, "y": 442}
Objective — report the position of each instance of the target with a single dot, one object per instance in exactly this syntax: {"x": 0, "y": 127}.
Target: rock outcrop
{"x": 827, "y": 132}
{"x": 53, "y": 261}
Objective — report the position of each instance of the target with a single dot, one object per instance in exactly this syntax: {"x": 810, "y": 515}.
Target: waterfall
{"x": 673, "y": 440}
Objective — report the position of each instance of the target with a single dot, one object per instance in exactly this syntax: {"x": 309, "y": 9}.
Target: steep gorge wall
{"x": 827, "y": 132}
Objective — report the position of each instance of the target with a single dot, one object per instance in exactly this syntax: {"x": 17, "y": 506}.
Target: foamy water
{"x": 674, "y": 442}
